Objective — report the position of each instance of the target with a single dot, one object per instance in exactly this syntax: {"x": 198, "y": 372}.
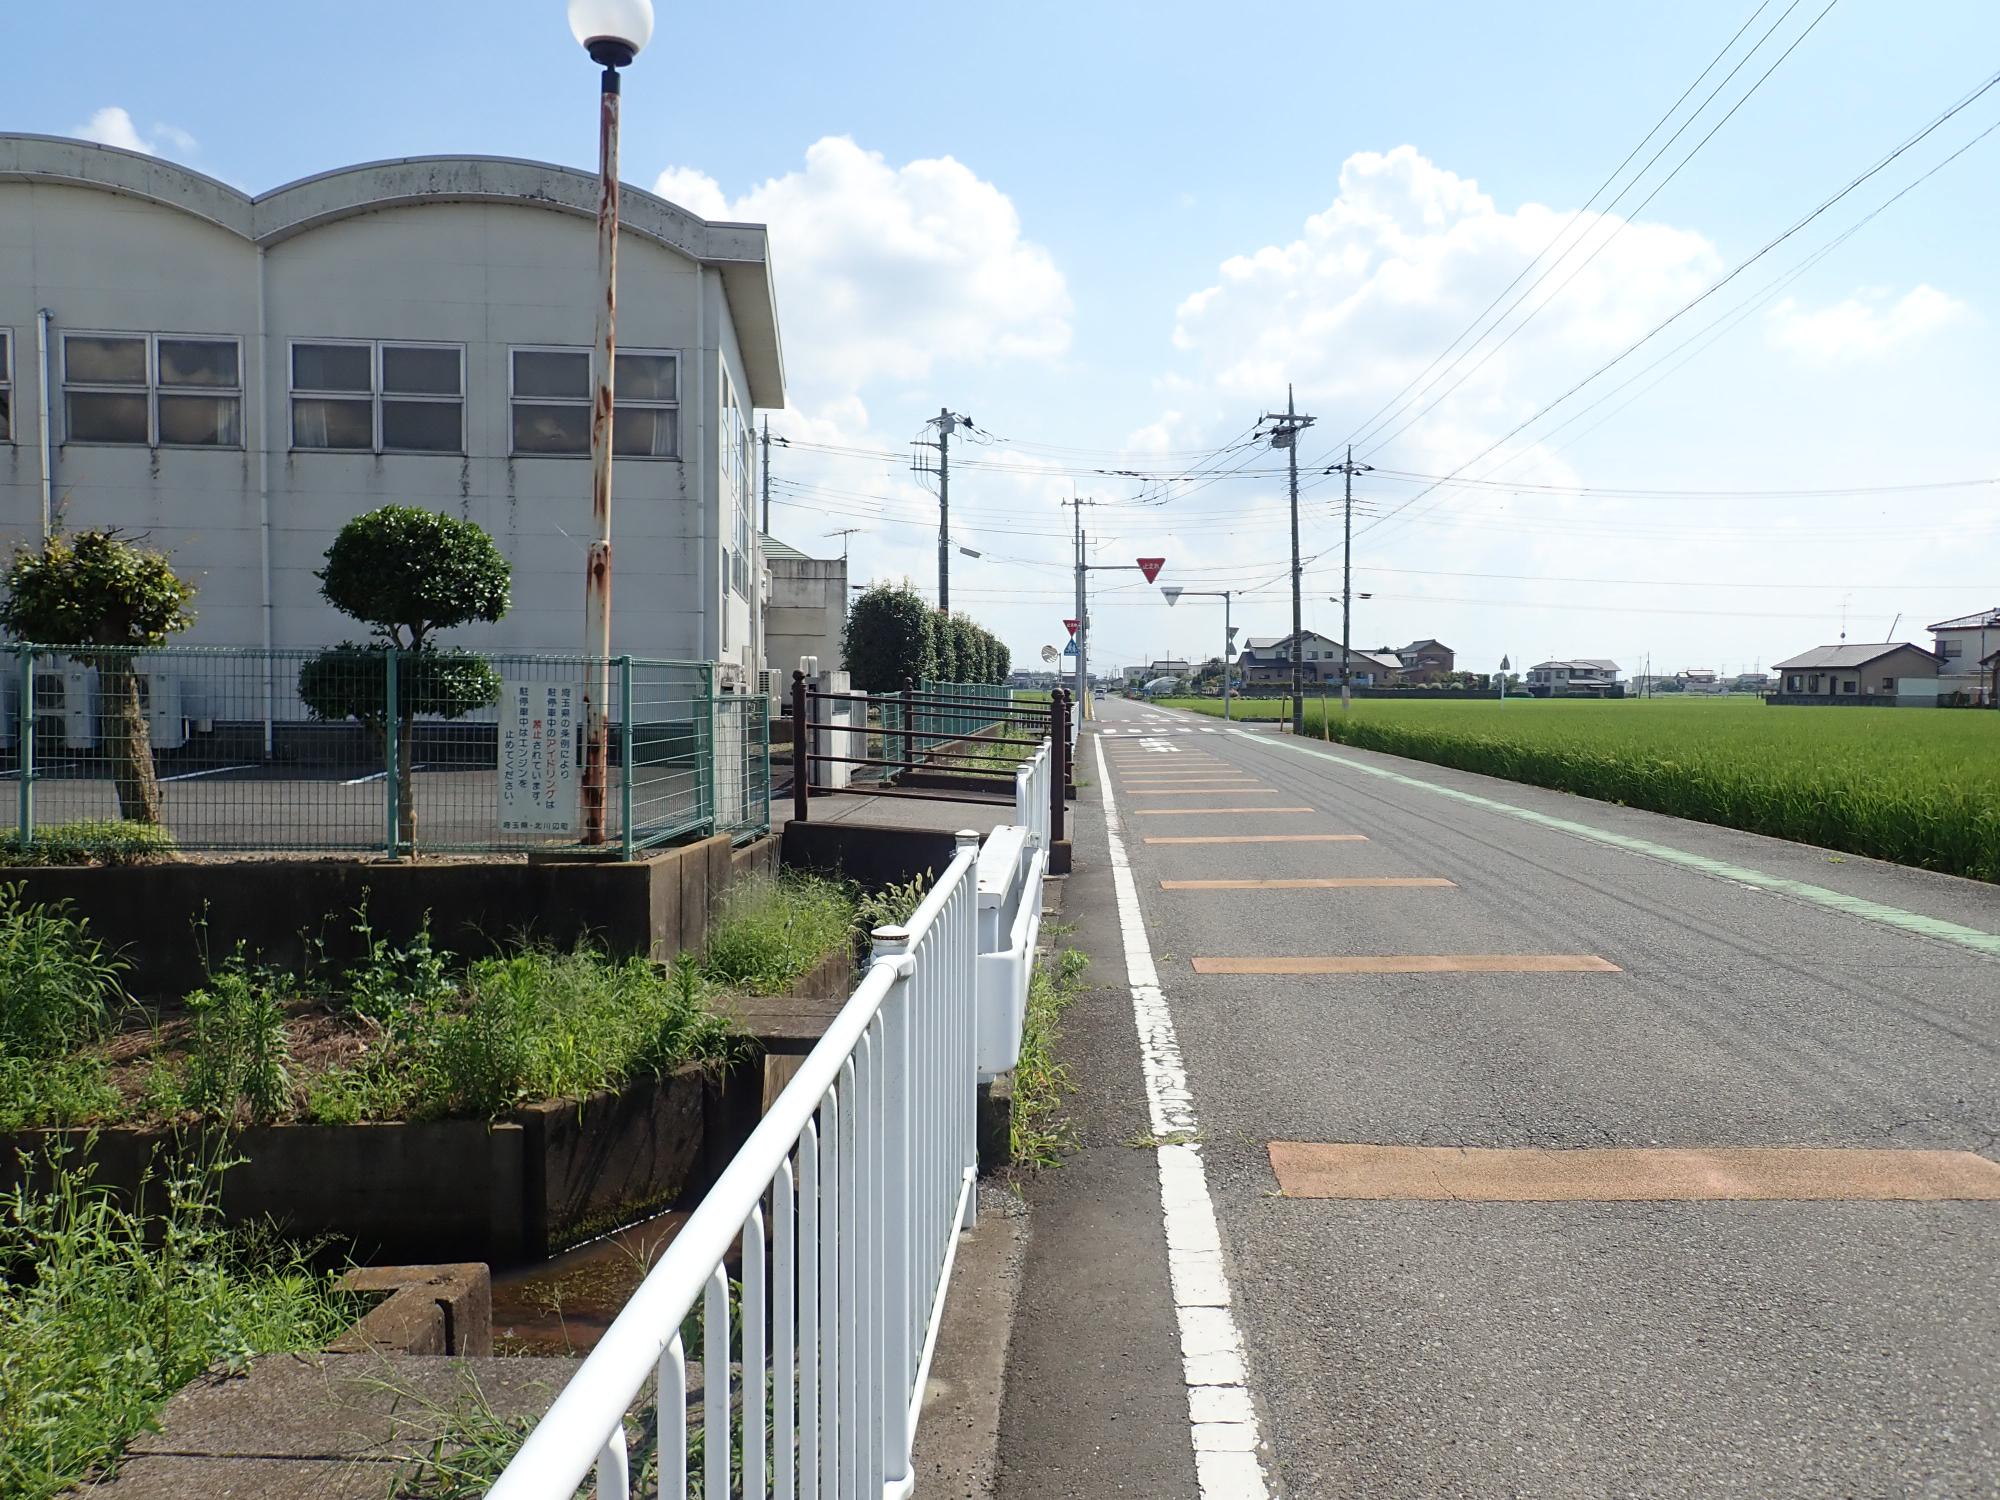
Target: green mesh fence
{"x": 377, "y": 751}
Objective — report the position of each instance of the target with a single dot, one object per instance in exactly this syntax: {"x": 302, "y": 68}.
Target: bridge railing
{"x": 842, "y": 1214}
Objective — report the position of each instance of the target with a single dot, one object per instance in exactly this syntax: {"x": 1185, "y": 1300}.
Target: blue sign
{"x": 1070, "y": 649}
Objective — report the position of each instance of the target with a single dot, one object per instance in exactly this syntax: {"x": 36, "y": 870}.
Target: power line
{"x": 1360, "y": 433}
{"x": 1715, "y": 287}
{"x": 1624, "y": 223}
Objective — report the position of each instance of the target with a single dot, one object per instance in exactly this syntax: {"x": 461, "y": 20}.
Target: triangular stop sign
{"x": 1151, "y": 566}
{"x": 1070, "y": 625}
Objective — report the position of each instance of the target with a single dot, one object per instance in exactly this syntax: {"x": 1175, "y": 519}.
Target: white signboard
{"x": 538, "y": 777}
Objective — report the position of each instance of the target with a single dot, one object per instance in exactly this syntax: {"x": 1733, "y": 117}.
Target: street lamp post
{"x": 1175, "y": 595}
{"x": 612, "y": 32}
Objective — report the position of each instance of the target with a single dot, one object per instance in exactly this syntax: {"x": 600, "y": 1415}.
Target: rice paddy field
{"x": 1918, "y": 786}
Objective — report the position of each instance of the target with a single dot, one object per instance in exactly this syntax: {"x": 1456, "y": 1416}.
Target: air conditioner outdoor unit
{"x": 65, "y": 706}
{"x": 160, "y": 697}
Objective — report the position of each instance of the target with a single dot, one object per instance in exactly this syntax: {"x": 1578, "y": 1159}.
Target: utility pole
{"x": 946, "y": 422}
{"x": 767, "y": 475}
{"x": 1350, "y": 468}
{"x": 1287, "y": 425}
{"x": 1082, "y": 608}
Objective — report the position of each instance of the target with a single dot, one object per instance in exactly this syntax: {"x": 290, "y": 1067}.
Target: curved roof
{"x": 739, "y": 252}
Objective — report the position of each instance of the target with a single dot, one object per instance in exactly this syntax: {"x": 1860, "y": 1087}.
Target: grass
{"x": 1039, "y": 1135}
{"x": 768, "y": 932}
{"x": 97, "y": 841}
{"x": 405, "y": 1033}
{"x": 106, "y": 1311}
{"x": 1914, "y": 786}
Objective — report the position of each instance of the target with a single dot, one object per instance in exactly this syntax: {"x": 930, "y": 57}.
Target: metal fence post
{"x": 909, "y": 708}
{"x": 801, "y": 750}
{"x": 391, "y": 723}
{"x": 1058, "y": 761}
{"x": 27, "y": 665}
{"x": 706, "y": 753}
{"x": 625, "y": 754}
{"x": 764, "y": 780}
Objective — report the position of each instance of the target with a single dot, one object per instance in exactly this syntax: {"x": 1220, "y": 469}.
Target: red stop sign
{"x": 1151, "y": 566}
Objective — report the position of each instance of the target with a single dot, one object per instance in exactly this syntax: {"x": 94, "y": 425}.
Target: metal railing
{"x": 842, "y": 1213}
{"x": 371, "y": 750}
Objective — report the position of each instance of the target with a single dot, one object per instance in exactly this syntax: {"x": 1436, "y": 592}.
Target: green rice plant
{"x": 237, "y": 1053}
{"x": 1913, "y": 786}
{"x": 58, "y": 986}
{"x": 769, "y": 932}
{"x": 106, "y": 1309}
{"x": 93, "y": 841}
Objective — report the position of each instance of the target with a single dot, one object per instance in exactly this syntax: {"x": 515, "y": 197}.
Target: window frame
{"x": 150, "y": 387}
{"x": 7, "y": 382}
{"x": 375, "y": 395}
{"x": 619, "y": 401}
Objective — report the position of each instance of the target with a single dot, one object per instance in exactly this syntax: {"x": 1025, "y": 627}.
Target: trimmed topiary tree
{"x": 888, "y": 637}
{"x": 97, "y": 588}
{"x": 407, "y": 574}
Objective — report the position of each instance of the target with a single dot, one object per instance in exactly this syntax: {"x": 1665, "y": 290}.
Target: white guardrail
{"x": 842, "y": 1211}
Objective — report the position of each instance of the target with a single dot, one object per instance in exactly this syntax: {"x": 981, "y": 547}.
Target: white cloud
{"x": 112, "y": 126}
{"x": 1862, "y": 326}
{"x": 885, "y": 272}
{"x": 1406, "y": 256}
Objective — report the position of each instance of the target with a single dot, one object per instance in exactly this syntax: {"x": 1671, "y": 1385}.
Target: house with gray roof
{"x": 1879, "y": 673}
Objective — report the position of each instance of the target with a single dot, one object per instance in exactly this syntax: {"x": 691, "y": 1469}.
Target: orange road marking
{"x": 1415, "y": 963}
{"x": 1337, "y": 883}
{"x": 1208, "y": 791}
{"x": 1260, "y": 838}
{"x": 1192, "y": 812}
{"x": 1629, "y": 1175}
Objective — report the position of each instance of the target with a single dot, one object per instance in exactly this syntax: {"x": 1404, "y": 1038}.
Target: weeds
{"x": 892, "y": 906}
{"x": 238, "y": 1058}
{"x": 105, "y": 841}
{"x": 1039, "y": 1136}
{"x": 58, "y": 987}
{"x": 769, "y": 932}
{"x": 105, "y": 1311}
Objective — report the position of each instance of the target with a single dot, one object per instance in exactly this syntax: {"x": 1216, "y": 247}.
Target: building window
{"x": 549, "y": 403}
{"x": 161, "y": 390}
{"x": 1849, "y": 685}
{"x": 373, "y": 396}
{"x": 1950, "y": 650}
{"x": 6, "y": 385}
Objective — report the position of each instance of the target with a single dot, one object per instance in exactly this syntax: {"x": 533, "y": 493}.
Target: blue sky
{"x": 1119, "y": 227}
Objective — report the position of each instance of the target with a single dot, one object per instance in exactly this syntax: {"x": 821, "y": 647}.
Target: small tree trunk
{"x": 406, "y": 801}
{"x": 131, "y": 742}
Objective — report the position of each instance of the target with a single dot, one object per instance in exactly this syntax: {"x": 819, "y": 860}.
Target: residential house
{"x": 1964, "y": 646}
{"x": 1879, "y": 673}
{"x": 235, "y": 377}
{"x": 1170, "y": 667}
{"x": 1579, "y": 677}
{"x": 1701, "y": 680}
{"x": 1266, "y": 662}
{"x": 1750, "y": 682}
{"x": 1425, "y": 661}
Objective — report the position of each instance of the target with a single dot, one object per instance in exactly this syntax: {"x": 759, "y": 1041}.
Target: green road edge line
{"x": 1853, "y": 906}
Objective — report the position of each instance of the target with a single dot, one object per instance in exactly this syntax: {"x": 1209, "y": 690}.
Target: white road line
{"x": 1222, "y": 1419}
{"x": 211, "y": 771}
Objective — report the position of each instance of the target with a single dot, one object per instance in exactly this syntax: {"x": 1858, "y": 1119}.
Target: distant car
{"x": 1097, "y": 692}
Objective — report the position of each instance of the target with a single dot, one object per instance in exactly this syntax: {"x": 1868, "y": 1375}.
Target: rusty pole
{"x": 597, "y": 565}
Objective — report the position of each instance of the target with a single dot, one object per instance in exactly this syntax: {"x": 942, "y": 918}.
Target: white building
{"x": 236, "y": 377}
{"x": 1591, "y": 676}
{"x": 1965, "y": 646}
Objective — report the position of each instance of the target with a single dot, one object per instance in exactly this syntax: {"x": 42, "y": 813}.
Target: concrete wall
{"x": 805, "y": 612}
{"x": 480, "y": 255}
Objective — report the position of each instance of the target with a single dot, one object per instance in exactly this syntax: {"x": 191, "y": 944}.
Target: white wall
{"x": 485, "y": 275}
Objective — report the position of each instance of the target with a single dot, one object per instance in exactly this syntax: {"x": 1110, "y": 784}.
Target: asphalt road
{"x": 1672, "y": 1345}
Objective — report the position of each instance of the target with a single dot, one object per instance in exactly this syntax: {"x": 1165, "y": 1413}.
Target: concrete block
{"x": 439, "y": 1309}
